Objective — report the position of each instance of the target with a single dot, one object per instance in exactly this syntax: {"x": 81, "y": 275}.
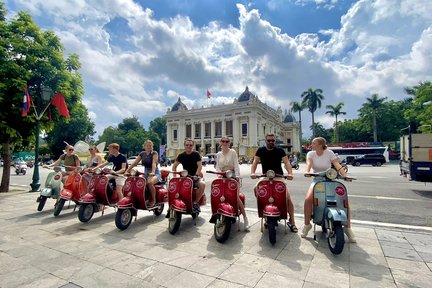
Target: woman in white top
{"x": 227, "y": 159}
{"x": 93, "y": 160}
{"x": 320, "y": 159}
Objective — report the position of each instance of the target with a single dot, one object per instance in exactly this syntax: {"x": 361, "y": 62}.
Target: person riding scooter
{"x": 70, "y": 161}
{"x": 320, "y": 159}
{"x": 20, "y": 167}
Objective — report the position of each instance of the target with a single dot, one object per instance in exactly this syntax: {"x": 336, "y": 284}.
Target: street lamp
{"x": 44, "y": 95}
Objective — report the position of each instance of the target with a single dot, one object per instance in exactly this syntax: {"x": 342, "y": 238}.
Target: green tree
{"x": 335, "y": 111}
{"x": 322, "y": 132}
{"x": 298, "y": 107}
{"x": 28, "y": 55}
{"x": 420, "y": 111}
{"x": 158, "y": 125}
{"x": 370, "y": 110}
{"x": 312, "y": 100}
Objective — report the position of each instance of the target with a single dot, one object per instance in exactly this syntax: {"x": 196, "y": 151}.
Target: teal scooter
{"x": 330, "y": 207}
{"x": 53, "y": 186}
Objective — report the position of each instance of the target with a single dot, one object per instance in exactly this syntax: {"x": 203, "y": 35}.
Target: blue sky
{"x": 138, "y": 57}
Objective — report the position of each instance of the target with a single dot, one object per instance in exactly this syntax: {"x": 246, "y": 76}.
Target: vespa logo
{"x": 279, "y": 187}
{"x": 215, "y": 191}
{"x": 187, "y": 184}
{"x": 140, "y": 183}
{"x": 127, "y": 186}
{"x": 340, "y": 191}
{"x": 91, "y": 184}
{"x": 262, "y": 191}
{"x": 77, "y": 178}
{"x": 57, "y": 177}
{"x": 172, "y": 187}
{"x": 102, "y": 180}
{"x": 232, "y": 185}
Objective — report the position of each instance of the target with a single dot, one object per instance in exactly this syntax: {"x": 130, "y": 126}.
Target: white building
{"x": 246, "y": 122}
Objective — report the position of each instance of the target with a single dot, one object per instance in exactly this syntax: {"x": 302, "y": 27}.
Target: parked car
{"x": 212, "y": 158}
{"x": 371, "y": 159}
{"x": 205, "y": 160}
{"x": 131, "y": 159}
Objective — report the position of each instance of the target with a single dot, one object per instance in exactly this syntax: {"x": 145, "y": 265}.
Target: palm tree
{"x": 298, "y": 107}
{"x": 312, "y": 100}
{"x": 372, "y": 106}
{"x": 335, "y": 111}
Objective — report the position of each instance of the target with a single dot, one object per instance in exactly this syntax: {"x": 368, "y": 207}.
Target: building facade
{"x": 246, "y": 121}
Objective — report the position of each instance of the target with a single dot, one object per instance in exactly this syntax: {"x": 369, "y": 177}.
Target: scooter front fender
{"x": 88, "y": 198}
{"x": 179, "y": 205}
{"x": 125, "y": 202}
{"x": 47, "y": 192}
{"x": 271, "y": 210}
{"x": 226, "y": 209}
{"x": 336, "y": 214}
{"x": 66, "y": 194}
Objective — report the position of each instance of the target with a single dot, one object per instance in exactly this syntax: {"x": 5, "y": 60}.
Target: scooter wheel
{"x": 59, "y": 207}
{"x": 42, "y": 201}
{"x": 222, "y": 228}
{"x": 271, "y": 226}
{"x": 174, "y": 221}
{"x": 86, "y": 212}
{"x": 336, "y": 240}
{"x": 123, "y": 218}
{"x": 158, "y": 210}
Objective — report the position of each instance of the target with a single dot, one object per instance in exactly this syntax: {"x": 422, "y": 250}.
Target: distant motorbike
{"x": 21, "y": 168}
{"x": 330, "y": 207}
{"x": 295, "y": 165}
{"x": 53, "y": 186}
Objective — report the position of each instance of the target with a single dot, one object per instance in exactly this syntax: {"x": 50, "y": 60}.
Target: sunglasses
{"x": 70, "y": 149}
{"x": 225, "y": 141}
{"x": 271, "y": 140}
{"x": 90, "y": 149}
{"x": 188, "y": 145}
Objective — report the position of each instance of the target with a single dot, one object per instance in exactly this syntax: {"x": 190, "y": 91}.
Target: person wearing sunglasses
{"x": 94, "y": 159}
{"x": 69, "y": 160}
{"x": 270, "y": 157}
{"x": 227, "y": 159}
{"x": 191, "y": 161}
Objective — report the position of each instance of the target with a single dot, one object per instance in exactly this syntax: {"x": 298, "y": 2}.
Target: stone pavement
{"x": 38, "y": 250}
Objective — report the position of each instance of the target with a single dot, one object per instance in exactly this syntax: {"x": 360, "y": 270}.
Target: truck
{"x": 416, "y": 156}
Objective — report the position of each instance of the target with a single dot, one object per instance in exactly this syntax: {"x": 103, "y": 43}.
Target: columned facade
{"x": 246, "y": 122}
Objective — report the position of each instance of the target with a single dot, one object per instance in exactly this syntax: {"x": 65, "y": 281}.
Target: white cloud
{"x": 381, "y": 47}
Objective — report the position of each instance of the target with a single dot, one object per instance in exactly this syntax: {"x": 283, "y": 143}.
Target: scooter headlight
{"x": 331, "y": 174}
{"x": 57, "y": 169}
{"x": 184, "y": 173}
{"x": 78, "y": 169}
{"x": 133, "y": 172}
{"x": 97, "y": 171}
{"x": 270, "y": 174}
{"x": 229, "y": 174}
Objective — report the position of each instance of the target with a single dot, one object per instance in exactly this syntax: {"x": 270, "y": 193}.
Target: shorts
{"x": 157, "y": 173}
{"x": 197, "y": 182}
{"x": 119, "y": 180}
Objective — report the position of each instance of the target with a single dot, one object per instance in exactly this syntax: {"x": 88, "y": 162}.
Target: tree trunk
{"x": 375, "y": 134}
{"x": 336, "y": 130}
{"x": 4, "y": 187}
{"x": 313, "y": 126}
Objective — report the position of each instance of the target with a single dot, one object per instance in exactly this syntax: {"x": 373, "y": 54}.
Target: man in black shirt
{"x": 119, "y": 166}
{"x": 271, "y": 157}
{"x": 191, "y": 161}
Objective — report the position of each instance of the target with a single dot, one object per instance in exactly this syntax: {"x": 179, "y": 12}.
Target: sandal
{"x": 292, "y": 227}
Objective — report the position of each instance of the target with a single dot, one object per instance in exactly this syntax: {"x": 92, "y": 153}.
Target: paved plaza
{"x": 39, "y": 250}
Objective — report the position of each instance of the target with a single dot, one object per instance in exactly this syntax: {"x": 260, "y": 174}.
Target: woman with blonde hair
{"x": 319, "y": 160}
{"x": 94, "y": 159}
{"x": 149, "y": 159}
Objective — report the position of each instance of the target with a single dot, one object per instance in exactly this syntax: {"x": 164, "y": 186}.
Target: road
{"x": 379, "y": 194}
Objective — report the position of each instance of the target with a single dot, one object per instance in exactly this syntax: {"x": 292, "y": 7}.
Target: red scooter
{"x": 101, "y": 193}
{"x": 136, "y": 197}
{"x": 224, "y": 195}
{"x": 73, "y": 189}
{"x": 181, "y": 195}
{"x": 272, "y": 202}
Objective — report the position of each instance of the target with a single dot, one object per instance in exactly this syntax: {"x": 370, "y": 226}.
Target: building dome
{"x": 246, "y": 95}
{"x": 179, "y": 106}
{"x": 289, "y": 118}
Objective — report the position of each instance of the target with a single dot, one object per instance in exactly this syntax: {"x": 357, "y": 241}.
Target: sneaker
{"x": 196, "y": 208}
{"x": 246, "y": 225}
{"x": 306, "y": 230}
{"x": 350, "y": 235}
